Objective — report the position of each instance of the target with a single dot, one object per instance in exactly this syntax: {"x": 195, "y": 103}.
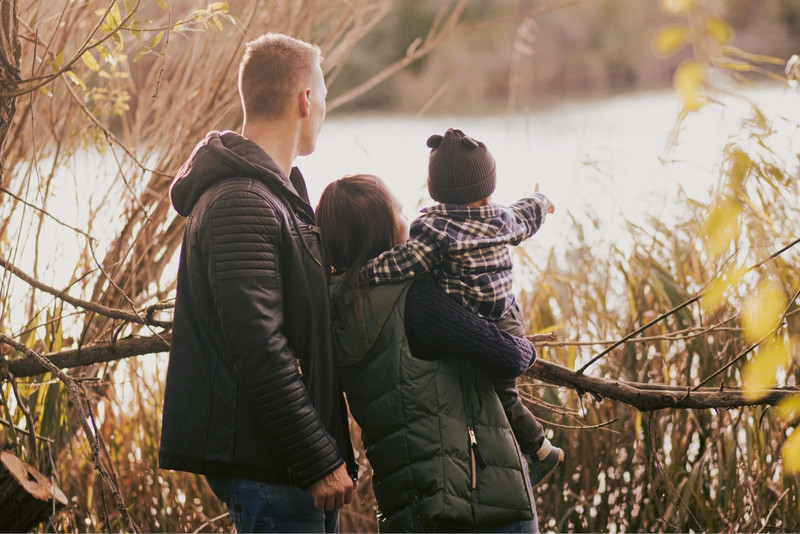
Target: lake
{"x": 608, "y": 157}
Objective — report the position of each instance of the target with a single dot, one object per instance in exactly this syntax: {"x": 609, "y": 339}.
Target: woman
{"x": 416, "y": 366}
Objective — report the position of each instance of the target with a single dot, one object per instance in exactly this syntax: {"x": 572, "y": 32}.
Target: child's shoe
{"x": 540, "y": 470}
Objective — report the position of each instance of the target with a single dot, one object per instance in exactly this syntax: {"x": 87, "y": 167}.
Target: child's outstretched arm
{"x": 419, "y": 255}
{"x": 530, "y": 213}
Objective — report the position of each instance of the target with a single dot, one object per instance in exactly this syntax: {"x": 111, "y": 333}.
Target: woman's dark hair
{"x": 356, "y": 217}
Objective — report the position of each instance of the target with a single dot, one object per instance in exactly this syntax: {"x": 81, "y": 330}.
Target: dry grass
{"x": 666, "y": 471}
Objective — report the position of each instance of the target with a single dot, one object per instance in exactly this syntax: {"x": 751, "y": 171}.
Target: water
{"x": 611, "y": 158}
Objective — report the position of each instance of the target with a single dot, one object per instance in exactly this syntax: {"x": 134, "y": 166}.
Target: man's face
{"x": 316, "y": 112}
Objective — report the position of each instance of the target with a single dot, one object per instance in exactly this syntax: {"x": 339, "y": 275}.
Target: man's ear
{"x": 304, "y": 102}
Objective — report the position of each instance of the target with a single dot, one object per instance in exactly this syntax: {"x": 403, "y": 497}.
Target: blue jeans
{"x": 532, "y": 526}
{"x": 261, "y": 507}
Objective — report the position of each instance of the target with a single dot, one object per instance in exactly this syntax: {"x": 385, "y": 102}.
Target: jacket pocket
{"x": 476, "y": 460}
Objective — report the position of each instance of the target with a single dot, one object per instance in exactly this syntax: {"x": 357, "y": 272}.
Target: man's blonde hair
{"x": 273, "y": 69}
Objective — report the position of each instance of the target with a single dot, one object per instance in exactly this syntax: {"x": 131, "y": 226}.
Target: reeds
{"x": 625, "y": 470}
{"x": 669, "y": 470}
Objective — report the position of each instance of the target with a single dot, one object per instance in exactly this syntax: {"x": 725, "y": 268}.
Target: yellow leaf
{"x": 721, "y": 225}
{"x": 736, "y": 66}
{"x": 142, "y": 51}
{"x": 713, "y": 297}
{"x": 218, "y": 6}
{"x": 156, "y": 39}
{"x": 90, "y": 61}
{"x": 676, "y": 7}
{"x": 637, "y": 424}
{"x": 572, "y": 353}
{"x": 688, "y": 78}
{"x": 720, "y": 30}
{"x": 791, "y": 453}
{"x": 762, "y": 311}
{"x": 760, "y": 373}
{"x": 105, "y": 54}
{"x": 59, "y": 60}
{"x": 114, "y": 18}
{"x": 789, "y": 408}
{"x": 739, "y": 167}
{"x": 670, "y": 39}
{"x": 74, "y": 79}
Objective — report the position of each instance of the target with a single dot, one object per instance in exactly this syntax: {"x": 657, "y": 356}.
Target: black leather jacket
{"x": 251, "y": 387}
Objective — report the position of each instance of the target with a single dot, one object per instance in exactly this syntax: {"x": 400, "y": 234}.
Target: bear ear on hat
{"x": 434, "y": 141}
{"x": 469, "y": 142}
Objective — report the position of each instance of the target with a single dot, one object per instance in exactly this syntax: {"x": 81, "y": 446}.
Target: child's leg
{"x": 527, "y": 430}
{"x": 542, "y": 457}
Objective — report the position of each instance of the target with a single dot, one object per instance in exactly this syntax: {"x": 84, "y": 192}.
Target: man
{"x": 252, "y": 399}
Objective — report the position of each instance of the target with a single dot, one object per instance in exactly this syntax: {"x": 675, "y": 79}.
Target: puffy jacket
{"x": 251, "y": 386}
{"x": 434, "y": 431}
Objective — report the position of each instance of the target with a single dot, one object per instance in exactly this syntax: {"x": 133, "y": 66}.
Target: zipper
{"x": 474, "y": 457}
{"x": 299, "y": 369}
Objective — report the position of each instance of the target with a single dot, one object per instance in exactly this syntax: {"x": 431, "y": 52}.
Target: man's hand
{"x": 333, "y": 491}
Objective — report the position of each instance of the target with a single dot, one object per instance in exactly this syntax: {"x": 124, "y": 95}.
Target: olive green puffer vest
{"x": 435, "y": 433}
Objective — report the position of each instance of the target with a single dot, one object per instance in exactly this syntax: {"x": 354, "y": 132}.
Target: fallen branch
{"x": 643, "y": 396}
{"x": 98, "y": 353}
{"x": 650, "y": 397}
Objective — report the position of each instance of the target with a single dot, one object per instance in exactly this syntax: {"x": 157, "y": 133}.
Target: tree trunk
{"x": 9, "y": 72}
{"x": 27, "y": 497}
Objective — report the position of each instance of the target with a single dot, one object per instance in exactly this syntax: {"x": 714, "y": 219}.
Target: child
{"x": 463, "y": 242}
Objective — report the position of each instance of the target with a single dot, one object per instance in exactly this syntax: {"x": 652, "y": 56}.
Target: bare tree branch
{"x": 679, "y": 307}
{"x": 105, "y": 311}
{"x": 652, "y": 398}
{"x": 645, "y": 397}
{"x": 98, "y": 353}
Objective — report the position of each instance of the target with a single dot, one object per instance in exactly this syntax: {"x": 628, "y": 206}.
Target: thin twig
{"x": 113, "y": 313}
{"x": 749, "y": 349}
{"x": 774, "y": 506}
{"x": 75, "y": 397}
{"x": 586, "y": 427}
{"x": 41, "y": 81}
{"x": 679, "y": 308}
{"x": 43, "y": 212}
{"x": 28, "y": 417}
{"x": 24, "y": 430}
{"x": 210, "y": 522}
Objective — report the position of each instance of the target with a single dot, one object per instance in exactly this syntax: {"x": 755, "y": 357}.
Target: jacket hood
{"x": 227, "y": 155}
{"x": 353, "y": 338}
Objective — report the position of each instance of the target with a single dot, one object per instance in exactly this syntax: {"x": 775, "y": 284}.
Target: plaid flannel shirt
{"x": 466, "y": 249}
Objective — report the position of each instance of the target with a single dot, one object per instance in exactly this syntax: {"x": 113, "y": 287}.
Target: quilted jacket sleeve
{"x": 246, "y": 239}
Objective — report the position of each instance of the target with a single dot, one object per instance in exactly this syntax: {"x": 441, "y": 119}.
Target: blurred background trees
{"x": 107, "y": 99}
{"x": 582, "y": 49}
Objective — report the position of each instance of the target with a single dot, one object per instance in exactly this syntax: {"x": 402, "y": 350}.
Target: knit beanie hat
{"x": 461, "y": 170}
